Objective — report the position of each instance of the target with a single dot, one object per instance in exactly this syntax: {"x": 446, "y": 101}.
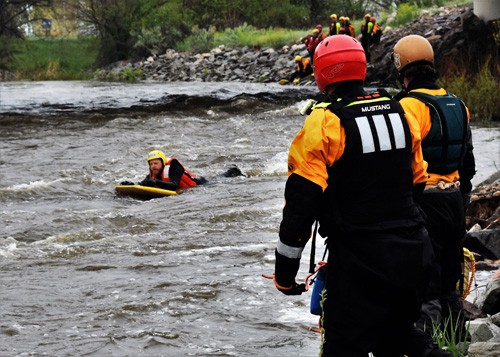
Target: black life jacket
{"x": 444, "y": 146}
{"x": 370, "y": 186}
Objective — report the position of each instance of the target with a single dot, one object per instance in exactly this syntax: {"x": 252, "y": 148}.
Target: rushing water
{"x": 85, "y": 272}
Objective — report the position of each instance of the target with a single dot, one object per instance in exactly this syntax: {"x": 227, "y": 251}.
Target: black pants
{"x": 372, "y": 287}
{"x": 445, "y": 223}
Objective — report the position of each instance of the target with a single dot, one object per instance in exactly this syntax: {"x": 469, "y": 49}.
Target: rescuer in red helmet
{"x": 354, "y": 167}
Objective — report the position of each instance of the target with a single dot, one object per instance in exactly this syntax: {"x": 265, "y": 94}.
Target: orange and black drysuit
{"x": 334, "y": 28}
{"x": 172, "y": 177}
{"x": 447, "y": 147}
{"x": 366, "y": 35}
{"x": 354, "y": 166}
{"x": 303, "y": 68}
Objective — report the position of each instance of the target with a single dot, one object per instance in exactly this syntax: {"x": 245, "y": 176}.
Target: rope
{"x": 321, "y": 264}
{"x": 310, "y": 276}
{"x": 273, "y": 277}
{"x": 472, "y": 274}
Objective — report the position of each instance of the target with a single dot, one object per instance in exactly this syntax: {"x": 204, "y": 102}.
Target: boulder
{"x": 485, "y": 242}
{"x": 462, "y": 44}
{"x": 490, "y": 303}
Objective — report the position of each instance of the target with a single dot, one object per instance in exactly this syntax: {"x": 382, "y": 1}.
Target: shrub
{"x": 201, "y": 40}
{"x": 46, "y": 59}
{"x": 406, "y": 13}
{"x": 479, "y": 93}
{"x": 130, "y": 75}
{"x": 250, "y": 36}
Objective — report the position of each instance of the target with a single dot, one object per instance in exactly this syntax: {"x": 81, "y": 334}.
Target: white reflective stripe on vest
{"x": 399, "y": 132}
{"x": 382, "y": 132}
{"x": 289, "y": 252}
{"x": 366, "y": 135}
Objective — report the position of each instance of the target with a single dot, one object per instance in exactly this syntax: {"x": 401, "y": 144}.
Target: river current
{"x": 84, "y": 272}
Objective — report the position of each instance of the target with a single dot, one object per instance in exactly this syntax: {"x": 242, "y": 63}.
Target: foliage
{"x": 127, "y": 74}
{"x": 250, "y": 36}
{"x": 201, "y": 40}
{"x": 354, "y": 9}
{"x": 46, "y": 59}
{"x": 6, "y": 52}
{"x": 264, "y": 13}
{"x": 480, "y": 93}
{"x": 15, "y": 13}
{"x": 405, "y": 14}
{"x": 114, "y": 20}
{"x": 448, "y": 337}
{"x": 161, "y": 25}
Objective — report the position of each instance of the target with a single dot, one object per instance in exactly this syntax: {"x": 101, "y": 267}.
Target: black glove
{"x": 127, "y": 183}
{"x": 295, "y": 289}
{"x": 148, "y": 182}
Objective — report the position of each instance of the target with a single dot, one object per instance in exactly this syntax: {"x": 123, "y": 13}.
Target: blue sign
{"x": 46, "y": 23}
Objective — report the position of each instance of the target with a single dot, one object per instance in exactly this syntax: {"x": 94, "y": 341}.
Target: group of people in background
{"x": 371, "y": 33}
{"x": 341, "y": 26}
{"x": 312, "y": 41}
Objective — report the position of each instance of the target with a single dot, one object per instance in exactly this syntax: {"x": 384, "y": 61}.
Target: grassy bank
{"x": 73, "y": 59}
{"x": 53, "y": 58}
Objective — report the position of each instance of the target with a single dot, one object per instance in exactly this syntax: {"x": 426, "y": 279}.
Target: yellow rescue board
{"x": 143, "y": 192}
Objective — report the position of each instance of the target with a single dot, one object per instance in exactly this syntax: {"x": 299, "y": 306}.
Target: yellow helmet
{"x": 315, "y": 31}
{"x": 298, "y": 58}
{"x": 333, "y": 16}
{"x": 341, "y": 18}
{"x": 410, "y": 49}
{"x": 157, "y": 154}
{"x": 347, "y": 18}
{"x": 367, "y": 16}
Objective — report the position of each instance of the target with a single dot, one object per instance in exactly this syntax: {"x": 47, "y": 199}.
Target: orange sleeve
{"x": 317, "y": 146}
{"x": 420, "y": 112}
{"x": 419, "y": 165}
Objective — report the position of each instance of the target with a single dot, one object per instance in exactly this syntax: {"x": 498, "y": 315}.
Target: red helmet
{"x": 372, "y": 19}
{"x": 339, "y": 58}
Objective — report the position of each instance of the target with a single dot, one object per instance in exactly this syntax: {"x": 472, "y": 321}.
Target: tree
{"x": 351, "y": 8}
{"x": 16, "y": 13}
{"x": 13, "y": 15}
{"x": 163, "y": 24}
{"x": 114, "y": 21}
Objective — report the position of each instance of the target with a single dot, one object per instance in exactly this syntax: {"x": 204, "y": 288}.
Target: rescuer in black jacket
{"x": 354, "y": 166}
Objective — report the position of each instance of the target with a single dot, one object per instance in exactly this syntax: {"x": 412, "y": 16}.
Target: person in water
{"x": 169, "y": 174}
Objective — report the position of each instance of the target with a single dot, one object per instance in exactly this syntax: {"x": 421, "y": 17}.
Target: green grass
{"x": 253, "y": 37}
{"x": 53, "y": 58}
{"x": 203, "y": 40}
{"x": 447, "y": 337}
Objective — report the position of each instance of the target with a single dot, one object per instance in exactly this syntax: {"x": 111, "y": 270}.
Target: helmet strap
{"x": 401, "y": 79}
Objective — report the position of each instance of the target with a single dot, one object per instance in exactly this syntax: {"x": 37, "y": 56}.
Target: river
{"x": 86, "y": 272}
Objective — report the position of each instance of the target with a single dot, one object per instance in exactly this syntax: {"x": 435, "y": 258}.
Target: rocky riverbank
{"x": 461, "y": 41}
{"x": 483, "y": 240}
